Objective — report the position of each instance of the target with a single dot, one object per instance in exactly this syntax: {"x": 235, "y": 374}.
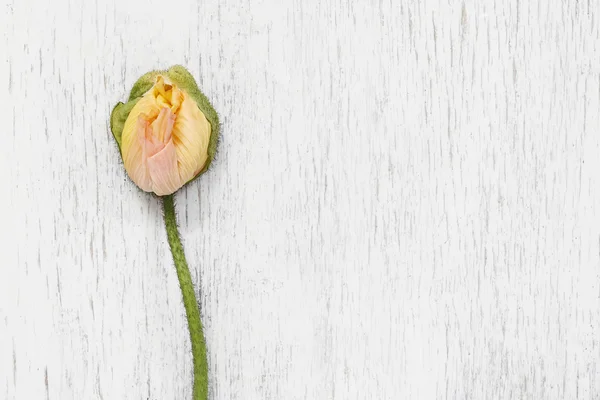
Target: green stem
{"x": 189, "y": 301}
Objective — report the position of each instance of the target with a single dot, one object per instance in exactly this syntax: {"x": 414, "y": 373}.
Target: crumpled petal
{"x": 163, "y": 171}
{"x": 162, "y": 127}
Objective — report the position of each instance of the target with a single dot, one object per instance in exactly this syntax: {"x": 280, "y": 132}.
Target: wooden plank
{"x": 405, "y": 202}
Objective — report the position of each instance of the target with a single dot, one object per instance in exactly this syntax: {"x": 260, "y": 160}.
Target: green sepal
{"x": 185, "y": 81}
{"x": 143, "y": 84}
{"x": 118, "y": 117}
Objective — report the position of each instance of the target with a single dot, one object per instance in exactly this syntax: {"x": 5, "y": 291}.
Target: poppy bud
{"x": 167, "y": 131}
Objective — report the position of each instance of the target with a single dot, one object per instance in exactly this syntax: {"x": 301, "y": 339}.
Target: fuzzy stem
{"x": 189, "y": 301}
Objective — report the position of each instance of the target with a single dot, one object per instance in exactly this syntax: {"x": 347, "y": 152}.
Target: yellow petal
{"x": 134, "y": 152}
{"x": 130, "y": 144}
{"x": 191, "y": 134}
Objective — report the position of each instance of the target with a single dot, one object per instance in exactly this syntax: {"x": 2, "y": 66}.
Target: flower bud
{"x": 167, "y": 131}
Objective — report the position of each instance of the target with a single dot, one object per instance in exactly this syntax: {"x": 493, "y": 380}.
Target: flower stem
{"x": 189, "y": 301}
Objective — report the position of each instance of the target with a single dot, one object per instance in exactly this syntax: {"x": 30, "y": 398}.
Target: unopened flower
{"x": 167, "y": 131}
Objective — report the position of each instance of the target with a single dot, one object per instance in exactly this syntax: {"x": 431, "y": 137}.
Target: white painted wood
{"x": 405, "y": 205}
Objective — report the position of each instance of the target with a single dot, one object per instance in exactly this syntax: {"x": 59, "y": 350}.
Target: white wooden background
{"x": 405, "y": 205}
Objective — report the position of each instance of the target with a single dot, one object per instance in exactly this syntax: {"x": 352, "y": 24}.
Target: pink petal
{"x": 150, "y": 144}
{"x": 163, "y": 125}
{"x": 164, "y": 172}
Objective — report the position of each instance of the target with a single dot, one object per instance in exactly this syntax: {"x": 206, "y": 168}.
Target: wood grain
{"x": 405, "y": 203}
